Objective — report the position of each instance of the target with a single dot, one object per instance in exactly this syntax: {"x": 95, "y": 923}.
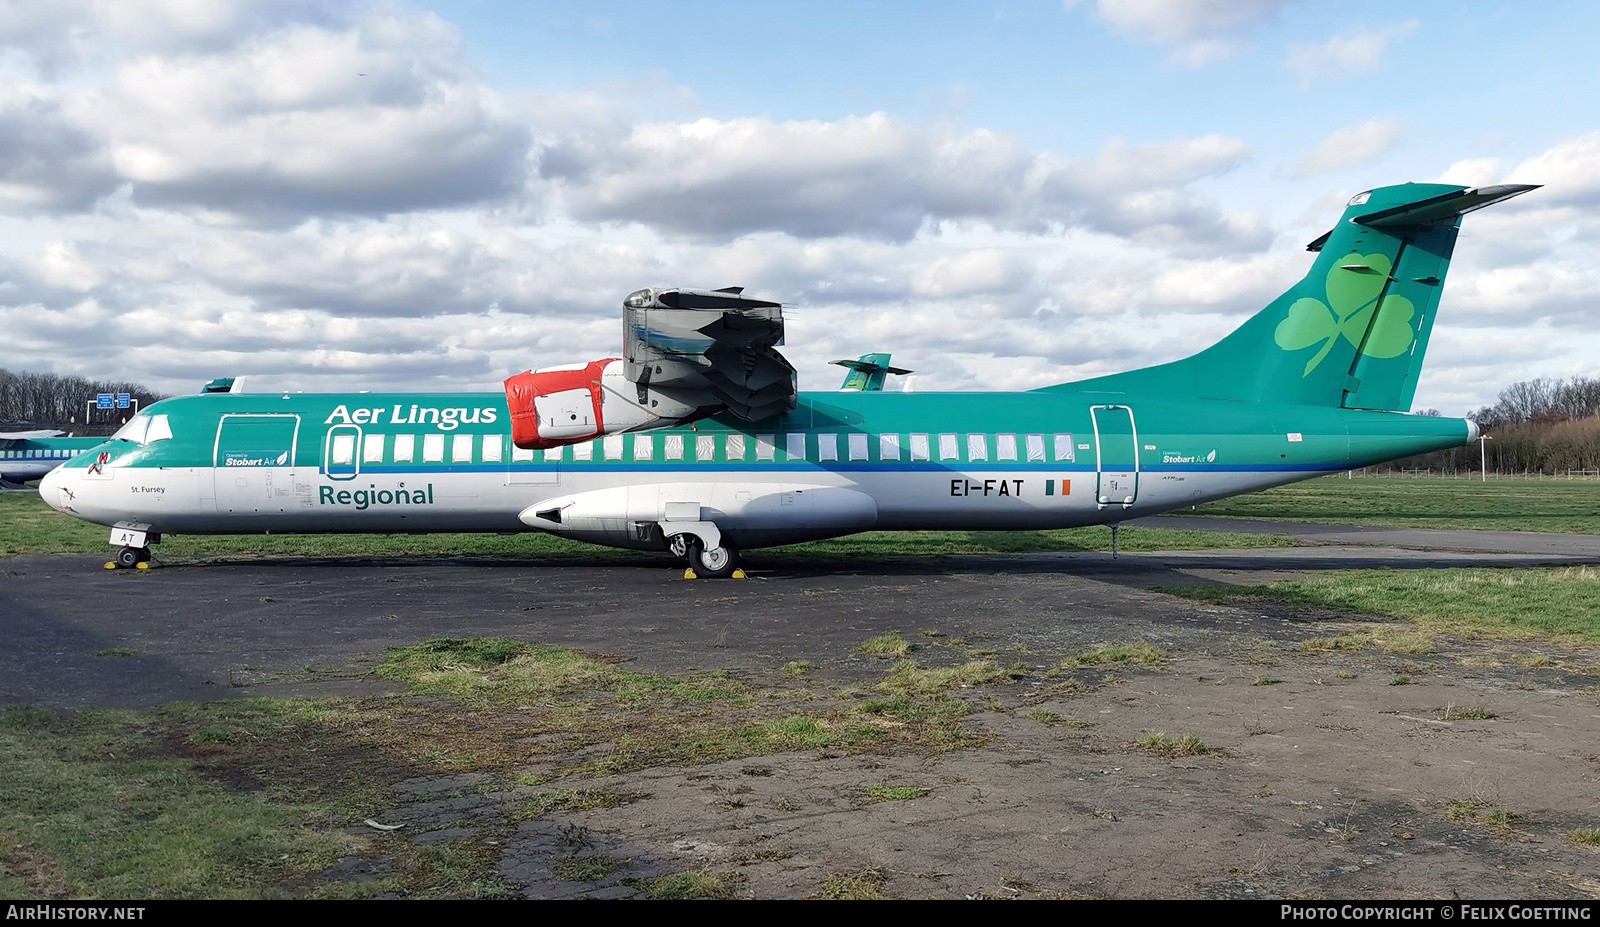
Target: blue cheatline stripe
{"x": 692, "y": 468}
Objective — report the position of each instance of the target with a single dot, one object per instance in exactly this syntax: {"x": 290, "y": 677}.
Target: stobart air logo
{"x": 254, "y": 459}
{"x": 1353, "y": 286}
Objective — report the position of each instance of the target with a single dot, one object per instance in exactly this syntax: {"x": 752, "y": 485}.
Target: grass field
{"x": 251, "y": 798}
{"x": 1560, "y": 603}
{"x": 28, "y": 526}
{"x": 1570, "y": 506}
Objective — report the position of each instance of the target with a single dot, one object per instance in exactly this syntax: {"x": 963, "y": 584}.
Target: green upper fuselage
{"x": 1172, "y": 434}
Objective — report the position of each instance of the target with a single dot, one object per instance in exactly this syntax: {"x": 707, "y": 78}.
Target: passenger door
{"x": 1116, "y": 455}
{"x": 254, "y": 463}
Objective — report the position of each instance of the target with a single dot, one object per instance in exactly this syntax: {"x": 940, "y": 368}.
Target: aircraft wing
{"x": 709, "y": 347}
{"x": 30, "y": 435}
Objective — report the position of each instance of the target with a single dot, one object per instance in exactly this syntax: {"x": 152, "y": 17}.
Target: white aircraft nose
{"x": 50, "y": 489}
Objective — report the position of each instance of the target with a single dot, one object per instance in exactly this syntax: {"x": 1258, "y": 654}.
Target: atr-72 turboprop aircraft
{"x": 697, "y": 441}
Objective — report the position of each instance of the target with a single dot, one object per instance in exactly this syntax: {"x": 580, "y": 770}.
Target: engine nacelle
{"x": 750, "y": 514}
{"x": 554, "y": 406}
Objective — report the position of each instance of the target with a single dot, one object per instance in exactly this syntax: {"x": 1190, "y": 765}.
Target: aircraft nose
{"x": 50, "y": 489}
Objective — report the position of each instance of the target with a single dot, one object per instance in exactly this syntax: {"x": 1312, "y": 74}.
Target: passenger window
{"x": 1064, "y": 447}
{"x": 551, "y": 454}
{"x": 735, "y": 447}
{"x": 491, "y": 448}
{"x": 977, "y": 447}
{"x": 794, "y": 446}
{"x": 344, "y": 448}
{"x": 404, "y": 447}
{"x": 674, "y": 447}
{"x": 461, "y": 449}
{"x": 705, "y": 447}
{"x": 372, "y": 449}
{"x": 766, "y": 447}
{"x": 947, "y": 448}
{"x": 644, "y": 447}
{"x": 433, "y": 448}
{"x": 919, "y": 447}
{"x": 612, "y": 446}
{"x": 1005, "y": 447}
{"x": 1036, "y": 448}
{"x": 858, "y": 446}
{"x": 525, "y": 454}
{"x": 827, "y": 447}
{"x": 888, "y": 447}
{"x": 583, "y": 450}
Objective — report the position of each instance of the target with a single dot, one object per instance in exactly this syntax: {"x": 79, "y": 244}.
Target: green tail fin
{"x": 1353, "y": 332}
{"x": 868, "y": 372}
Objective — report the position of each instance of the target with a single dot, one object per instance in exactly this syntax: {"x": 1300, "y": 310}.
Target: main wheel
{"x": 128, "y": 558}
{"x": 678, "y": 546}
{"x": 713, "y": 562}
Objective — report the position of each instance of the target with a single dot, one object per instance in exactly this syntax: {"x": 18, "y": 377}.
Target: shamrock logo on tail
{"x": 1353, "y": 287}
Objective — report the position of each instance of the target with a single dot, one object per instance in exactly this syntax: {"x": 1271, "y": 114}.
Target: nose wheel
{"x": 131, "y": 558}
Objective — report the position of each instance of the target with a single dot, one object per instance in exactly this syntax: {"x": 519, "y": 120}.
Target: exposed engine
{"x": 689, "y": 354}
{"x": 553, "y": 406}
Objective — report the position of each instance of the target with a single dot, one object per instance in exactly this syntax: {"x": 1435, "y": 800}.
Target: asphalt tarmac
{"x": 252, "y": 626}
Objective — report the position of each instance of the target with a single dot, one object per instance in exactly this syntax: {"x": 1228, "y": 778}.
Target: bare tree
{"x": 54, "y": 401}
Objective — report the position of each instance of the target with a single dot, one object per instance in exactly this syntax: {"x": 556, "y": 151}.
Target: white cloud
{"x": 1473, "y": 172}
{"x": 1571, "y": 170}
{"x": 1343, "y": 55}
{"x": 881, "y": 177}
{"x": 1199, "y": 31}
{"x": 372, "y": 116}
{"x": 64, "y": 34}
{"x": 1350, "y": 146}
{"x": 47, "y": 163}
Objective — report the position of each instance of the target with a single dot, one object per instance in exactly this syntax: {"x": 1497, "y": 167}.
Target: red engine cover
{"x": 523, "y": 388}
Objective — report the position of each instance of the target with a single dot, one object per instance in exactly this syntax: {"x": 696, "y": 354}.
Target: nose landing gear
{"x": 130, "y": 558}
{"x": 132, "y": 540}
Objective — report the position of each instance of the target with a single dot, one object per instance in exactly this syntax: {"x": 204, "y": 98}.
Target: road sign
{"x": 104, "y": 401}
{"x": 124, "y": 400}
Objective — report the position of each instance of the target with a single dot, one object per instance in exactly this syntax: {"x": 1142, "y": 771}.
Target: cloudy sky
{"x": 1005, "y": 195}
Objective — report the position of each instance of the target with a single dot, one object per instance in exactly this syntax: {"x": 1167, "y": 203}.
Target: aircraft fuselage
{"x": 838, "y": 464}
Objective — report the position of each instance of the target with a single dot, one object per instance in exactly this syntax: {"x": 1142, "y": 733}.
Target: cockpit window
{"x": 142, "y": 429}
{"x": 159, "y": 429}
{"x": 134, "y": 430}
{"x": 1360, "y": 198}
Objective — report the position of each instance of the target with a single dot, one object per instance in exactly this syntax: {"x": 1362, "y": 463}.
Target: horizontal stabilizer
{"x": 869, "y": 368}
{"x": 868, "y": 372}
{"x": 1443, "y": 209}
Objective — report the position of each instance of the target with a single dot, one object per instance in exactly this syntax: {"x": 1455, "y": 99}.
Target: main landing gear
{"x": 713, "y": 562}
{"x": 718, "y": 562}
